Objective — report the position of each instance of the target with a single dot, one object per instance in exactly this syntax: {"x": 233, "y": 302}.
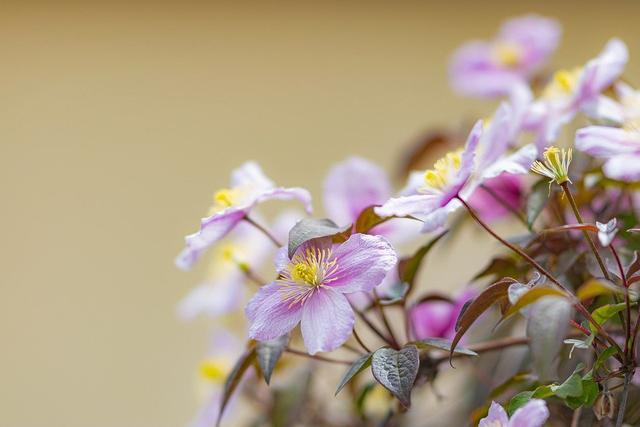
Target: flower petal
{"x": 353, "y": 185}
{"x": 602, "y": 71}
{"x": 409, "y": 205}
{"x": 438, "y": 218}
{"x": 269, "y": 315}
{"x": 604, "y": 141}
{"x": 281, "y": 193}
{"x": 212, "y": 299}
{"x": 623, "y": 167}
{"x": 327, "y": 320}
{"x": 250, "y": 174}
{"x": 517, "y": 163}
{"x": 433, "y": 319}
{"x": 537, "y": 35}
{"x": 534, "y": 414}
{"x": 212, "y": 229}
{"x": 362, "y": 263}
{"x": 496, "y": 417}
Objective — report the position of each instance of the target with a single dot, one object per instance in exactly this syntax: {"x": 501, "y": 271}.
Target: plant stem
{"x": 264, "y": 231}
{"x": 505, "y": 204}
{"x": 385, "y": 321}
{"x": 373, "y": 327}
{"x": 623, "y": 399}
{"x": 362, "y": 344}
{"x": 626, "y": 299}
{"x": 320, "y": 358}
{"x": 576, "y": 212}
{"x": 577, "y": 304}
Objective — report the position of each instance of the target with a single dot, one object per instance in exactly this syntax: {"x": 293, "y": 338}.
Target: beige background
{"x": 117, "y": 121}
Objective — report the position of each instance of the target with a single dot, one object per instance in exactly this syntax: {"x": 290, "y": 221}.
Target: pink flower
{"x": 437, "y": 318}
{"x": 311, "y": 287}
{"x": 575, "y": 90}
{"x": 493, "y": 68}
{"x": 508, "y": 188}
{"x": 249, "y": 187}
{"x": 533, "y": 414}
{"x": 619, "y": 146}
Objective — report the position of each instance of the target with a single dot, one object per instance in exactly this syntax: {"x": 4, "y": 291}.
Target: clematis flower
{"x": 510, "y": 191}
{"x": 462, "y": 172}
{"x": 576, "y": 90}
{"x": 225, "y": 349}
{"x": 533, "y": 414}
{"x": 249, "y": 187}
{"x": 244, "y": 248}
{"x": 311, "y": 287}
{"x": 620, "y": 146}
{"x": 437, "y": 318}
{"x": 493, "y": 68}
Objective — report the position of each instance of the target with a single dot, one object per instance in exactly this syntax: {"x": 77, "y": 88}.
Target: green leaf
{"x": 572, "y": 386}
{"x": 479, "y": 305}
{"x": 232, "y": 381}
{"x": 531, "y": 296}
{"x": 396, "y": 371}
{"x": 536, "y": 201}
{"x": 604, "y": 313}
{"x": 269, "y": 353}
{"x": 442, "y": 344}
{"x": 518, "y": 401}
{"x": 408, "y": 267}
{"x": 603, "y": 357}
{"x": 311, "y": 228}
{"x": 361, "y": 398}
{"x": 358, "y": 366}
{"x": 596, "y": 287}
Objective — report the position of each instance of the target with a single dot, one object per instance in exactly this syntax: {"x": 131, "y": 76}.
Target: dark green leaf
{"x": 312, "y": 228}
{"x": 442, "y": 344}
{"x": 479, "y": 305}
{"x": 269, "y": 353}
{"x": 396, "y": 371}
{"x": 536, "y": 201}
{"x": 408, "y": 267}
{"x": 232, "y": 381}
{"x": 358, "y": 366}
{"x": 603, "y": 357}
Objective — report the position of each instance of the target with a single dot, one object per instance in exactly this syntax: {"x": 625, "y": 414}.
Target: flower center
{"x": 305, "y": 273}
{"x": 556, "y": 164}
{"x": 507, "y": 53}
{"x": 562, "y": 83}
{"x": 443, "y": 169}
{"x": 214, "y": 370}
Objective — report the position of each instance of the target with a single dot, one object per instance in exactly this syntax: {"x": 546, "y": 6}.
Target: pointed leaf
{"x": 408, "y": 267}
{"x": 312, "y": 228}
{"x": 571, "y": 227}
{"x": 269, "y": 353}
{"x": 603, "y": 357}
{"x": 369, "y": 219}
{"x": 531, "y": 296}
{"x": 442, "y": 344}
{"x": 232, "y": 381}
{"x": 479, "y": 305}
{"x": 396, "y": 371}
{"x": 604, "y": 313}
{"x": 358, "y": 366}
{"x": 536, "y": 201}
{"x": 596, "y": 287}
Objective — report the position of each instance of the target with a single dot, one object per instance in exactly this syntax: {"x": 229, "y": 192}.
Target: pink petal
{"x": 537, "y": 35}
{"x": 281, "y": 193}
{"x": 269, "y": 315}
{"x": 438, "y": 218}
{"x": 327, "y": 320}
{"x": 497, "y": 417}
{"x": 212, "y": 299}
{"x": 604, "y": 141}
{"x": 508, "y": 187}
{"x": 409, "y": 205}
{"x": 363, "y": 261}
{"x": 353, "y": 185}
{"x": 250, "y": 175}
{"x": 602, "y": 71}
{"x": 517, "y": 163}
{"x": 623, "y": 167}
{"x": 433, "y": 319}
{"x": 212, "y": 229}
{"x": 533, "y": 414}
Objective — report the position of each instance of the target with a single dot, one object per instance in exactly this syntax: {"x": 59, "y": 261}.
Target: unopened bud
{"x": 604, "y": 406}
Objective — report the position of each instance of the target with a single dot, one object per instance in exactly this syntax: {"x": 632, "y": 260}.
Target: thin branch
{"x": 362, "y": 344}
{"x": 315, "y": 357}
{"x": 505, "y": 204}
{"x": 385, "y": 320}
{"x": 264, "y": 231}
{"x": 623, "y": 399}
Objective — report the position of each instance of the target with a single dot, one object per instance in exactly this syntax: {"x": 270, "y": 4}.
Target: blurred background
{"x": 118, "y": 120}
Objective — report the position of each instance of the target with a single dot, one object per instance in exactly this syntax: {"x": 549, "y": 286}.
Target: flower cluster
{"x": 356, "y": 282}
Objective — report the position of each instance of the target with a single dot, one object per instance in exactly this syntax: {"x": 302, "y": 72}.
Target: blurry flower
{"x": 555, "y": 165}
{"x": 311, "y": 290}
{"x": 507, "y": 188}
{"x": 437, "y": 318}
{"x": 620, "y": 146}
{"x": 494, "y": 68}
{"x": 575, "y": 90}
{"x": 249, "y": 186}
{"x": 607, "y": 232}
{"x": 242, "y": 251}
{"x": 533, "y": 414}
{"x": 213, "y": 371}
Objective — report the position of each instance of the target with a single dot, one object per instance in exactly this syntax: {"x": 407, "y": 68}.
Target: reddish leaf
{"x": 571, "y": 227}
{"x": 368, "y": 219}
{"x": 479, "y": 305}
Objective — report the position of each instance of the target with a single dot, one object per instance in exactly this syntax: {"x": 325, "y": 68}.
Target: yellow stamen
{"x": 443, "y": 169}
{"x": 214, "y": 370}
{"x": 305, "y": 273}
{"x": 563, "y": 82}
{"x": 555, "y": 165}
{"x": 508, "y": 54}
